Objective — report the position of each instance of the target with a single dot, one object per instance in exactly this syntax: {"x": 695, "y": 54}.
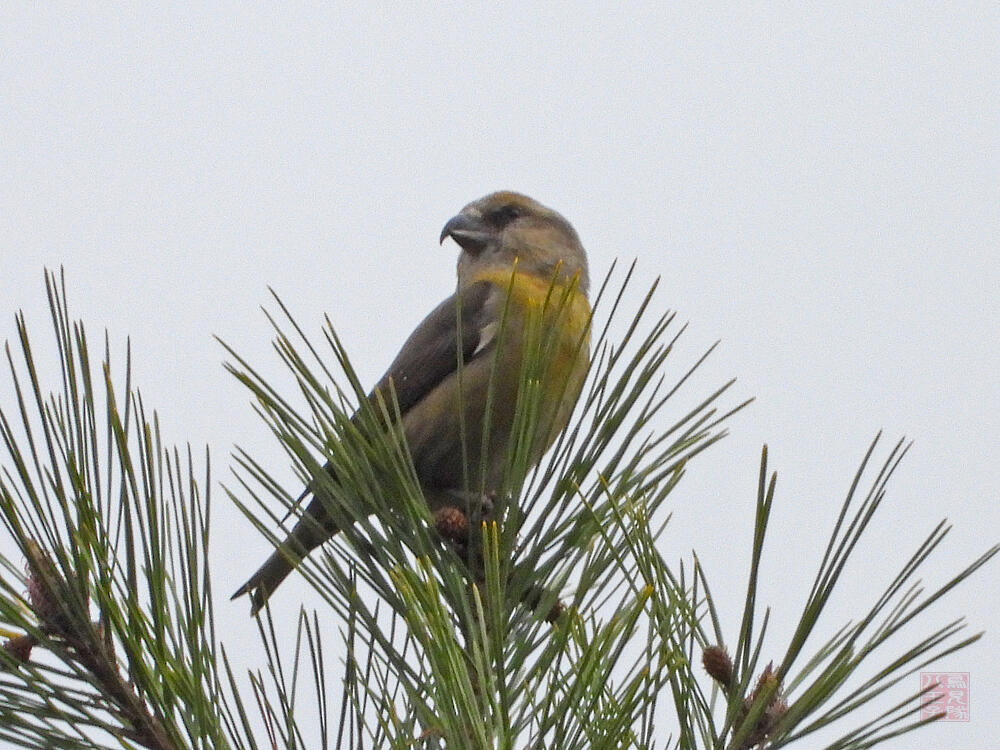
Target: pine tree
{"x": 550, "y": 619}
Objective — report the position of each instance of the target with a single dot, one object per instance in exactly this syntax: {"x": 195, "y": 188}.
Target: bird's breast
{"x": 532, "y": 358}
{"x": 543, "y": 335}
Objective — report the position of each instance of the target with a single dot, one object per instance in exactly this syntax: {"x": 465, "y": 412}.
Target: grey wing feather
{"x": 430, "y": 354}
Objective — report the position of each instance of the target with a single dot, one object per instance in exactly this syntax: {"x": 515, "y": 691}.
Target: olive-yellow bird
{"x": 522, "y": 277}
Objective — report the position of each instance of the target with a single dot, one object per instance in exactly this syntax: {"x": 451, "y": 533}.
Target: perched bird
{"x": 522, "y": 278}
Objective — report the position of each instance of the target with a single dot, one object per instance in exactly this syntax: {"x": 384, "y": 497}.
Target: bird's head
{"x": 504, "y": 227}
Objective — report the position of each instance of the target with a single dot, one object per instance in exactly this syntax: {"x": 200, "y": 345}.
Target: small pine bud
{"x": 452, "y": 524}
{"x": 42, "y": 577}
{"x": 767, "y": 681}
{"x": 20, "y": 647}
{"x": 777, "y": 708}
{"x": 718, "y": 665}
{"x": 558, "y": 607}
{"x": 775, "y": 711}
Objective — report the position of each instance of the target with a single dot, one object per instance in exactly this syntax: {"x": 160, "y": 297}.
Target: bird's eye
{"x": 504, "y": 215}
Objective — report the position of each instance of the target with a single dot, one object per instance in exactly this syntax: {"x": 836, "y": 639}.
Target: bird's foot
{"x": 476, "y": 505}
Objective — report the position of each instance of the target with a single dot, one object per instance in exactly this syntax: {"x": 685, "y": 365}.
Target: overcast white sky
{"x": 819, "y": 188}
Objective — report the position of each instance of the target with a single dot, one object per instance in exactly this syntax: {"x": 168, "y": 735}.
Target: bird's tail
{"x": 307, "y": 534}
{"x": 267, "y": 578}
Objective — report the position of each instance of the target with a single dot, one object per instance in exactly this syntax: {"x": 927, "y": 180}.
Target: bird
{"x": 521, "y": 274}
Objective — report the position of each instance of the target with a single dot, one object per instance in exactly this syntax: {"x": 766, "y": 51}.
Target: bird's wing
{"x": 430, "y": 354}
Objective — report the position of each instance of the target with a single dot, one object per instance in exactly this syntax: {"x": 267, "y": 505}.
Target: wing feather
{"x": 430, "y": 354}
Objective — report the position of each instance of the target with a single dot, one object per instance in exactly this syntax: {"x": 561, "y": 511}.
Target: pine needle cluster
{"x": 546, "y": 618}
